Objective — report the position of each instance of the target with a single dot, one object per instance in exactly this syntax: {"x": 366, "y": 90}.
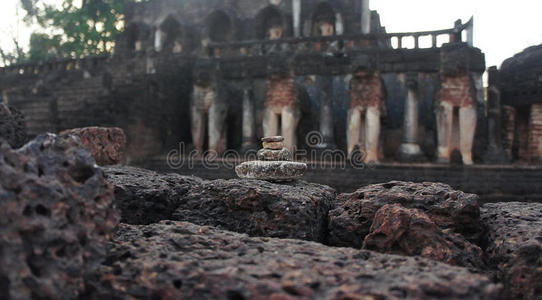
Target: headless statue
{"x": 274, "y": 32}
{"x": 456, "y": 91}
{"x": 326, "y": 29}
{"x": 208, "y": 108}
{"x": 281, "y": 103}
{"x": 366, "y": 103}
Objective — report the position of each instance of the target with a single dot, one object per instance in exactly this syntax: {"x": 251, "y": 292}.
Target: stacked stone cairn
{"x": 274, "y": 163}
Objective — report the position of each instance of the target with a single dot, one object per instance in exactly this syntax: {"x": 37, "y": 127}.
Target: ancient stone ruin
{"x": 358, "y": 128}
{"x": 182, "y": 236}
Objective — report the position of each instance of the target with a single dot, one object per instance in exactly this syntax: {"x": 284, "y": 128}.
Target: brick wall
{"x": 280, "y": 91}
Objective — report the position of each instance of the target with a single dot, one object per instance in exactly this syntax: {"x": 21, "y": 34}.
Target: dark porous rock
{"x": 351, "y": 219}
{"x": 107, "y": 145}
{"x": 260, "y": 208}
{"x": 12, "y": 126}
{"x": 144, "y": 196}
{"x": 56, "y": 214}
{"x": 177, "y": 260}
{"x": 514, "y": 246}
{"x": 407, "y": 231}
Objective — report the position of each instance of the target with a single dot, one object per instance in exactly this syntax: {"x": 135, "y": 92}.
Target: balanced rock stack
{"x": 274, "y": 163}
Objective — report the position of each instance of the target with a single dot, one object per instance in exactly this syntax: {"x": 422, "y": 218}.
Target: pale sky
{"x": 501, "y": 27}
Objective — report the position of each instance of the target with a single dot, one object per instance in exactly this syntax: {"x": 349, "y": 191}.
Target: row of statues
{"x": 281, "y": 113}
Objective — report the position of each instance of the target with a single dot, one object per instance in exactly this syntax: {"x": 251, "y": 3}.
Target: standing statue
{"x": 366, "y": 106}
{"x": 456, "y": 90}
{"x": 208, "y": 106}
{"x": 281, "y": 103}
{"x": 274, "y": 32}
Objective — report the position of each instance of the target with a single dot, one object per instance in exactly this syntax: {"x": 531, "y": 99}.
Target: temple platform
{"x": 493, "y": 183}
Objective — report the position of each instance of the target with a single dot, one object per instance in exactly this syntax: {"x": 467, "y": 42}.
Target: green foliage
{"x": 77, "y": 28}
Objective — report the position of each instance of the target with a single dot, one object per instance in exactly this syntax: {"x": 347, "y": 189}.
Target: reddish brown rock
{"x": 144, "y": 197}
{"x": 258, "y": 208}
{"x": 404, "y": 231}
{"x": 56, "y": 213}
{"x": 514, "y": 245}
{"x": 107, "y": 145}
{"x": 175, "y": 260}
{"x": 351, "y": 219}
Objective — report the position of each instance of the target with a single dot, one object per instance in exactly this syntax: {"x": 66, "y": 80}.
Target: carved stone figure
{"x": 281, "y": 103}
{"x": 208, "y": 108}
{"x": 326, "y": 29}
{"x": 456, "y": 91}
{"x": 366, "y": 105}
{"x": 275, "y": 32}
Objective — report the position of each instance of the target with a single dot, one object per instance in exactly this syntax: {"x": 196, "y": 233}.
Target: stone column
{"x": 495, "y": 153}
{"x": 296, "y": 8}
{"x": 409, "y": 150}
{"x": 535, "y": 133}
{"x": 470, "y": 33}
{"x": 249, "y": 122}
{"x": 326, "y": 113}
{"x": 509, "y": 129}
{"x": 365, "y": 17}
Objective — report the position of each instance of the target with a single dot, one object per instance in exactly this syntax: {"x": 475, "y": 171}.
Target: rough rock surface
{"x": 107, "y": 145}
{"x": 258, "y": 208}
{"x": 406, "y": 231}
{"x": 177, "y": 260}
{"x": 144, "y": 196}
{"x": 12, "y": 126}
{"x": 514, "y": 245}
{"x": 274, "y": 155}
{"x": 351, "y": 219}
{"x": 271, "y": 170}
{"x": 56, "y": 214}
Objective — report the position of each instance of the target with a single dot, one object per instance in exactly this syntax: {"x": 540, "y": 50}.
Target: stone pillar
{"x": 410, "y": 150}
{"x": 470, "y": 33}
{"x": 535, "y": 133}
{"x": 296, "y": 8}
{"x": 249, "y": 122}
{"x": 509, "y": 129}
{"x": 326, "y": 113}
{"x": 158, "y": 40}
{"x": 495, "y": 152}
{"x": 365, "y": 17}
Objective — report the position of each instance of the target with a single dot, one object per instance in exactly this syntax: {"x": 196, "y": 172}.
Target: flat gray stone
{"x": 274, "y": 155}
{"x": 271, "y": 170}
{"x": 273, "y": 145}
{"x": 272, "y": 139}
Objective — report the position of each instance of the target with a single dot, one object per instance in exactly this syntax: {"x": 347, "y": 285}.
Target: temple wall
{"x": 535, "y": 133}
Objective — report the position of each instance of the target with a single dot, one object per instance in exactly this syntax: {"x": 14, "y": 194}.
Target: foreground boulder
{"x": 258, "y": 208}
{"x": 404, "y": 231}
{"x": 56, "y": 213}
{"x": 107, "y": 145}
{"x": 144, "y": 197}
{"x": 177, "y": 260}
{"x": 12, "y": 126}
{"x": 514, "y": 245}
{"x": 351, "y": 219}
